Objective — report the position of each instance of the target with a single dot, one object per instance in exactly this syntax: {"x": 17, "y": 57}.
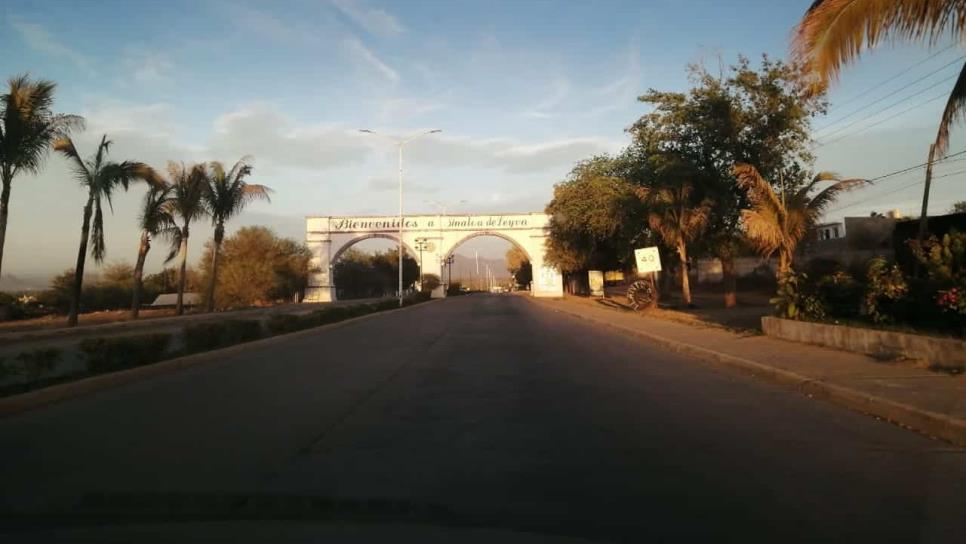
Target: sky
{"x": 521, "y": 91}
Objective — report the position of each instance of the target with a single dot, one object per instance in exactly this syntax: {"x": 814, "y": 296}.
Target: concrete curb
{"x": 924, "y": 421}
{"x": 30, "y": 400}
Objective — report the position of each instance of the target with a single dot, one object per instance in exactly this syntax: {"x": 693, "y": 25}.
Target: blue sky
{"x": 520, "y": 89}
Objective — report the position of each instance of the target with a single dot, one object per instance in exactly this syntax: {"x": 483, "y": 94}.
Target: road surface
{"x": 481, "y": 411}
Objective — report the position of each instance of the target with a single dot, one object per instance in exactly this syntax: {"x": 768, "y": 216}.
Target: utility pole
{"x": 923, "y": 218}
{"x": 400, "y": 142}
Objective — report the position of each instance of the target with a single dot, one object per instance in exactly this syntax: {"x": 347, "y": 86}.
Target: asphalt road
{"x": 480, "y": 411}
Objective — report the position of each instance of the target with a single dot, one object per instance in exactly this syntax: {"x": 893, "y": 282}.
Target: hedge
{"x": 218, "y": 334}
{"x": 119, "y": 352}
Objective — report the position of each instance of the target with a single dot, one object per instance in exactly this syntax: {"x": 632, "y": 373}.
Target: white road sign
{"x": 648, "y": 260}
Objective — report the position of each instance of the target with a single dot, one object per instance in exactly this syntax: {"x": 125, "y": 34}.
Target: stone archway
{"x": 329, "y": 236}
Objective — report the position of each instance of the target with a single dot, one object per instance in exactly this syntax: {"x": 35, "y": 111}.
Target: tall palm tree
{"x": 101, "y": 178}
{"x": 778, "y": 222}
{"x": 28, "y": 127}
{"x": 155, "y": 220}
{"x": 187, "y": 193}
{"x": 226, "y": 195}
{"x": 679, "y": 218}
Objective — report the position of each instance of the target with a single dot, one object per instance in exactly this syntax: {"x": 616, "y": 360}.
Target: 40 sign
{"x": 648, "y": 260}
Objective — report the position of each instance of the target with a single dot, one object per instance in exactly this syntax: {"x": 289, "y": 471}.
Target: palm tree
{"x": 777, "y": 223}
{"x": 834, "y": 32}
{"x": 101, "y": 177}
{"x": 155, "y": 220}
{"x": 188, "y": 186}
{"x": 226, "y": 195}
{"x": 27, "y": 130}
{"x": 679, "y": 219}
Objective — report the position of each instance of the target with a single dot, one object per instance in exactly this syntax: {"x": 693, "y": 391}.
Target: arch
{"x": 498, "y": 234}
{"x": 353, "y": 241}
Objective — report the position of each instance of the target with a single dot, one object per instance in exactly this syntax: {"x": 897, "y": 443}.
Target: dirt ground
{"x": 92, "y": 318}
{"x": 708, "y": 306}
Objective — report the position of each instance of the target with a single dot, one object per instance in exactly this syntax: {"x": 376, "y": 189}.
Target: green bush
{"x": 118, "y": 352}
{"x": 31, "y": 365}
{"x": 840, "y": 294}
{"x": 217, "y": 334}
{"x": 885, "y": 288}
{"x": 285, "y": 323}
{"x": 793, "y": 301}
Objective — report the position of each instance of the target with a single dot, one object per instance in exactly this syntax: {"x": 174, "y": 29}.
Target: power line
{"x": 890, "y": 106}
{"x": 910, "y": 168}
{"x": 877, "y": 123}
{"x": 908, "y": 69}
{"x": 896, "y": 190}
{"x": 897, "y": 91}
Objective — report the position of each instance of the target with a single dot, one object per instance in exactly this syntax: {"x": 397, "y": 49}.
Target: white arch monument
{"x": 328, "y": 237}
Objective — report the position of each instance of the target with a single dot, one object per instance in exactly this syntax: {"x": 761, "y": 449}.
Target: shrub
{"x": 118, "y": 352}
{"x": 217, "y": 334}
{"x": 31, "y": 365}
{"x": 944, "y": 259}
{"x": 819, "y": 267}
{"x": 886, "y": 286}
{"x": 840, "y": 294}
{"x": 284, "y": 323}
{"x": 793, "y": 302}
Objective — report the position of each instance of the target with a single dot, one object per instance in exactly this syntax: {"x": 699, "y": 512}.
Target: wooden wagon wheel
{"x": 640, "y": 294}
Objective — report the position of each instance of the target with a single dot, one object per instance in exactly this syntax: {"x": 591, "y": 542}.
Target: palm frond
{"x": 819, "y": 202}
{"x": 760, "y": 192}
{"x": 952, "y": 113}
{"x": 762, "y": 230}
{"x": 835, "y": 32}
{"x": 97, "y": 234}
{"x": 65, "y": 146}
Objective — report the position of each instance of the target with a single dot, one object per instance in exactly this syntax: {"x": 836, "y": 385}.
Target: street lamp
{"x": 400, "y": 142}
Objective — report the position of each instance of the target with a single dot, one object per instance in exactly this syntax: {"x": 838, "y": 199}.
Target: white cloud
{"x": 508, "y": 155}
{"x": 405, "y": 109}
{"x": 387, "y": 184}
{"x": 358, "y": 51}
{"x": 262, "y": 131}
{"x": 545, "y": 109}
{"x": 39, "y": 39}
{"x": 374, "y": 20}
{"x": 147, "y": 68}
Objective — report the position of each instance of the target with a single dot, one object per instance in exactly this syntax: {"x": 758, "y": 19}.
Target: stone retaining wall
{"x": 930, "y": 351}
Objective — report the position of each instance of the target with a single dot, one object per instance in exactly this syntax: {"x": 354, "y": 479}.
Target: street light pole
{"x": 400, "y": 142}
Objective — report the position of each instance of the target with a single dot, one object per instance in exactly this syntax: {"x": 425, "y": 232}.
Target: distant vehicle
{"x": 497, "y": 289}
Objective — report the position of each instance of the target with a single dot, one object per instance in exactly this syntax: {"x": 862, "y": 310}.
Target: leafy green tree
{"x": 959, "y": 207}
{"x": 595, "y": 218}
{"x": 361, "y": 275}
{"x": 226, "y": 195}
{"x": 155, "y": 220}
{"x": 101, "y": 177}
{"x": 28, "y": 128}
{"x": 429, "y": 283}
{"x": 758, "y": 115}
{"x": 519, "y": 266}
{"x": 188, "y": 186}
{"x": 257, "y": 268}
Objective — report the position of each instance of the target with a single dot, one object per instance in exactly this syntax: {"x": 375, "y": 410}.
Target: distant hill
{"x": 15, "y": 283}
{"x": 464, "y": 269}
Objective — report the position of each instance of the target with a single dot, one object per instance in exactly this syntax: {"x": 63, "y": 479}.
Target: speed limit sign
{"x": 648, "y": 260}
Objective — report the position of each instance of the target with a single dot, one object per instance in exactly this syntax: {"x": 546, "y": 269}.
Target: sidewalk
{"x": 929, "y": 402}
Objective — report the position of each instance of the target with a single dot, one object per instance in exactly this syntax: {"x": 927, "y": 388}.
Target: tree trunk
{"x": 219, "y": 236}
{"x": 4, "y": 209}
{"x": 783, "y": 264}
{"x": 728, "y": 281}
{"x": 183, "y": 258}
{"x": 143, "y": 249}
{"x": 79, "y": 268}
{"x": 685, "y": 281}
